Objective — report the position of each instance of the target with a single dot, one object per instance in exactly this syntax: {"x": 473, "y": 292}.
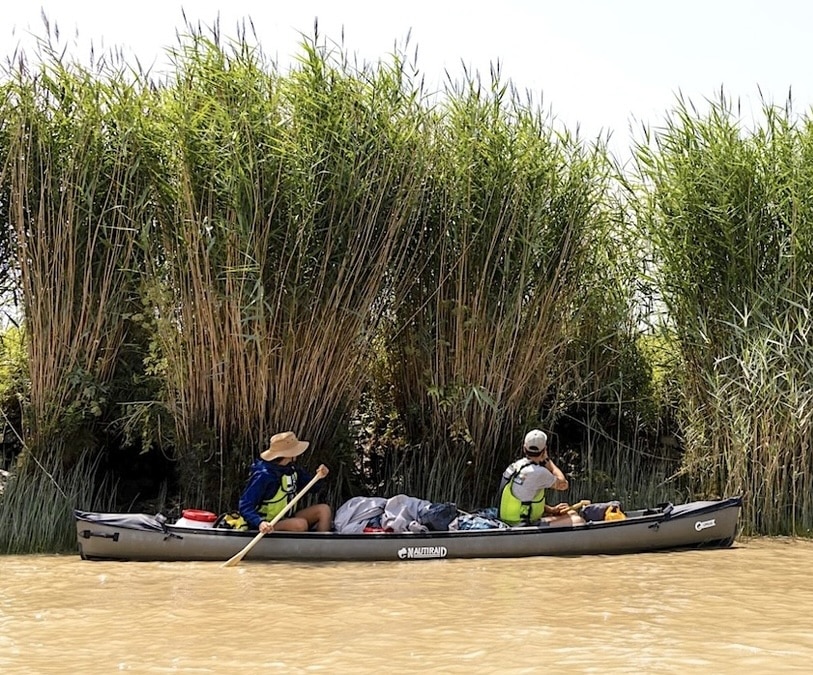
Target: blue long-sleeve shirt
{"x": 264, "y": 482}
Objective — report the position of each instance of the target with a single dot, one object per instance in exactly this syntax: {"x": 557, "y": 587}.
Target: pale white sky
{"x": 601, "y": 64}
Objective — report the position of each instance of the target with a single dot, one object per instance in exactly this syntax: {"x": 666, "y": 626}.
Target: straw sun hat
{"x": 285, "y": 444}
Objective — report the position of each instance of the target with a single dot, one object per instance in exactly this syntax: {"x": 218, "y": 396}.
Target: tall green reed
{"x": 277, "y": 243}
{"x": 479, "y": 345}
{"x": 8, "y": 276}
{"x": 75, "y": 198}
{"x": 731, "y": 225}
{"x": 37, "y": 503}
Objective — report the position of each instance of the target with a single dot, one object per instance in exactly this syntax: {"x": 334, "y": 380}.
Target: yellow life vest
{"x": 286, "y": 492}
{"x": 515, "y": 512}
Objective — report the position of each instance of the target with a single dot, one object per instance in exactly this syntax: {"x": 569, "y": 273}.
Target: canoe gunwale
{"x": 140, "y": 537}
{"x": 697, "y": 509}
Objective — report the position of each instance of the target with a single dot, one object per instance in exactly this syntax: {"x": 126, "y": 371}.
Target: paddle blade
{"x": 237, "y": 557}
{"x": 234, "y": 560}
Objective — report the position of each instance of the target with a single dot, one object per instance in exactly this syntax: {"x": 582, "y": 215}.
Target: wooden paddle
{"x": 237, "y": 557}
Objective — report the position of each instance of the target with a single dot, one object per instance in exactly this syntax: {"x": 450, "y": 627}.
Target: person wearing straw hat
{"x": 523, "y": 485}
{"x": 274, "y": 481}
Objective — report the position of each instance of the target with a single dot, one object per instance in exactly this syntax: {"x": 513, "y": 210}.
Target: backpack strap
{"x": 521, "y": 464}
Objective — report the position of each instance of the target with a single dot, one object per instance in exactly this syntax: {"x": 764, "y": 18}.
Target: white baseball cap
{"x": 535, "y": 441}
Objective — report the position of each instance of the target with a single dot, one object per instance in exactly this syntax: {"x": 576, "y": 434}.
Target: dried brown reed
{"x": 76, "y": 195}
{"x": 276, "y": 245}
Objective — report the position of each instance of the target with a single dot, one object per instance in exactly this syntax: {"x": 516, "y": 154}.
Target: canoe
{"x": 142, "y": 537}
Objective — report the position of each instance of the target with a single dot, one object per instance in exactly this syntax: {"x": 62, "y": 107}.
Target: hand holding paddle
{"x": 235, "y": 559}
{"x": 564, "y": 508}
{"x": 578, "y": 506}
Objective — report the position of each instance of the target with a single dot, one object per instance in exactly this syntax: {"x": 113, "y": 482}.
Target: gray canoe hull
{"x": 708, "y": 524}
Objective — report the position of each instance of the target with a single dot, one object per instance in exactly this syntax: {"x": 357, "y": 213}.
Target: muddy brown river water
{"x": 742, "y": 609}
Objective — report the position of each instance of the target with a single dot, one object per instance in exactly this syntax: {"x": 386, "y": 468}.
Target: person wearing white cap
{"x": 523, "y": 485}
{"x": 274, "y": 482}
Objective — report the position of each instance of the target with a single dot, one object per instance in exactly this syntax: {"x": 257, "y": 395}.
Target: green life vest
{"x": 512, "y": 510}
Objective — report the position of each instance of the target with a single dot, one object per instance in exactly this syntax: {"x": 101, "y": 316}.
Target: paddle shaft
{"x": 235, "y": 559}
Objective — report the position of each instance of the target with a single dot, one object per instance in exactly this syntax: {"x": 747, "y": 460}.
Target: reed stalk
{"x": 37, "y": 503}
{"x": 730, "y": 221}
{"x": 8, "y": 276}
{"x": 277, "y": 242}
{"x": 479, "y": 349}
{"x": 75, "y": 197}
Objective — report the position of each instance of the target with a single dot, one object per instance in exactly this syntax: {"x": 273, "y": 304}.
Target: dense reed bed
{"x": 75, "y": 193}
{"x": 514, "y": 227}
{"x": 276, "y": 246}
{"x": 729, "y": 218}
{"x": 410, "y": 280}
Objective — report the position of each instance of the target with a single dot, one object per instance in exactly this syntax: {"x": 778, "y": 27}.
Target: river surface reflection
{"x": 744, "y": 608}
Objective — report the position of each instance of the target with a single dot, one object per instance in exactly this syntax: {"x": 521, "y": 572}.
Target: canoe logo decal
{"x": 701, "y": 525}
{"x": 417, "y": 552}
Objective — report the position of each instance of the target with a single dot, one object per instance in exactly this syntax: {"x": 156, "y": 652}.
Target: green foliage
{"x": 484, "y": 341}
{"x": 730, "y": 221}
{"x": 14, "y": 387}
{"x": 13, "y": 365}
{"x": 37, "y": 502}
{"x": 408, "y": 281}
